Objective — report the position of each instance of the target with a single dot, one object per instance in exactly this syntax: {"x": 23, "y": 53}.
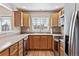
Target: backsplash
{"x": 24, "y": 29}
{"x": 56, "y": 30}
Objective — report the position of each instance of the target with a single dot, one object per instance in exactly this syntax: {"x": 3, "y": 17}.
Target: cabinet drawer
{"x": 14, "y": 48}
{"x": 5, "y": 53}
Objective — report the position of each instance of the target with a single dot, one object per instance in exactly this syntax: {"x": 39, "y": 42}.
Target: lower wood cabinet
{"x": 5, "y": 52}
{"x": 20, "y": 52}
{"x": 50, "y": 42}
{"x": 30, "y": 42}
{"x": 43, "y": 42}
{"x": 14, "y": 50}
{"x": 61, "y": 49}
{"x": 36, "y": 42}
{"x": 40, "y": 42}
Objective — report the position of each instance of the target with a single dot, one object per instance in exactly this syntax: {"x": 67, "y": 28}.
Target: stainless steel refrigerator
{"x": 73, "y": 44}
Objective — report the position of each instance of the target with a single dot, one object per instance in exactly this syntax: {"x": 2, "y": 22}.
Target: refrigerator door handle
{"x": 70, "y": 32}
{"x": 72, "y": 35}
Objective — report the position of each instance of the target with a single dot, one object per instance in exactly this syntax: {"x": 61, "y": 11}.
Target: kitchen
{"x": 30, "y": 30}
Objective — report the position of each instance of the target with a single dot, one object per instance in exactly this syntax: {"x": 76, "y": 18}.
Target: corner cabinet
{"x": 21, "y": 18}
{"x": 55, "y": 18}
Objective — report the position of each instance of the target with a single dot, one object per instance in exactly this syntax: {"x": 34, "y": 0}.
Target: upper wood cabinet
{"x": 61, "y": 12}
{"x": 17, "y": 18}
{"x": 26, "y": 19}
{"x": 55, "y": 18}
{"x": 21, "y": 18}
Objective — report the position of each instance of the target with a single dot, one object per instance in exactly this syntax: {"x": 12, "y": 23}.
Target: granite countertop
{"x": 10, "y": 40}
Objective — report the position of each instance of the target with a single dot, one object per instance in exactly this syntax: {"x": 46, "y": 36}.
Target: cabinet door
{"x": 21, "y": 48}
{"x": 31, "y": 42}
{"x": 61, "y": 49}
{"x": 14, "y": 50}
{"x": 26, "y": 19}
{"x": 50, "y": 41}
{"x": 36, "y": 42}
{"x": 55, "y": 17}
{"x": 43, "y": 42}
{"x": 17, "y": 18}
{"x": 5, "y": 52}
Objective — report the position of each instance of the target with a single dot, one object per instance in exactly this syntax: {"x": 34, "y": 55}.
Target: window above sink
{"x": 40, "y": 24}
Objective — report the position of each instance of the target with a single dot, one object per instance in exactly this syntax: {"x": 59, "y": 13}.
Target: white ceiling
{"x": 34, "y": 6}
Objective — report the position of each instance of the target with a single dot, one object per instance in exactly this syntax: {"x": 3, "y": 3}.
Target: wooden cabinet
{"x": 50, "y": 42}
{"x": 14, "y": 50}
{"x": 21, "y": 48}
{"x": 17, "y": 18}
{"x": 55, "y": 18}
{"x": 5, "y": 52}
{"x": 36, "y": 42}
{"x": 40, "y": 42}
{"x": 61, "y": 12}
{"x": 21, "y": 18}
{"x": 30, "y": 42}
{"x": 61, "y": 49}
{"x": 43, "y": 42}
{"x": 26, "y": 19}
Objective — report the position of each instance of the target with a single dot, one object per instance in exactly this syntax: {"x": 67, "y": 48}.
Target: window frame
{"x": 40, "y": 23}
{"x": 1, "y": 24}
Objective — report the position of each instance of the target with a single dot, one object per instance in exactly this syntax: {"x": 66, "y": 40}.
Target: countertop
{"x": 5, "y": 42}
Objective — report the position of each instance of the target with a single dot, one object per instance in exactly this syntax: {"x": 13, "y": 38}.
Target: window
{"x": 40, "y": 24}
{"x": 5, "y": 23}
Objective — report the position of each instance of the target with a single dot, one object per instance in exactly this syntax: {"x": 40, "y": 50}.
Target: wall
{"x": 38, "y": 13}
